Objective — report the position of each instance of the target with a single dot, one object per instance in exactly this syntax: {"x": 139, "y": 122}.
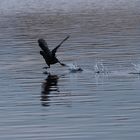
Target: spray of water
{"x": 99, "y": 67}
{"x": 136, "y": 68}
{"x": 74, "y": 68}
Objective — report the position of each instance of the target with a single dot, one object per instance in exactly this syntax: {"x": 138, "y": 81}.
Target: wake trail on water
{"x": 99, "y": 68}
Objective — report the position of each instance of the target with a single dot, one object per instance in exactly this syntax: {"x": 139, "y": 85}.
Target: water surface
{"x": 64, "y": 104}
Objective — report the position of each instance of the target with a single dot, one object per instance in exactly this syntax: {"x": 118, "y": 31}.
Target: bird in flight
{"x": 50, "y": 55}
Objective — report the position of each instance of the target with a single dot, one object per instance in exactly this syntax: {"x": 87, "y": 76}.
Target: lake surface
{"x": 101, "y": 102}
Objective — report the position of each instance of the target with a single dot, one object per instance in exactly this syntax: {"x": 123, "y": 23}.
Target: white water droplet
{"x": 99, "y": 67}
{"x": 73, "y": 68}
{"x": 136, "y": 67}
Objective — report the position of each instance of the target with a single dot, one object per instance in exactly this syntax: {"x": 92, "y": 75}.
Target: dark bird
{"x": 48, "y": 55}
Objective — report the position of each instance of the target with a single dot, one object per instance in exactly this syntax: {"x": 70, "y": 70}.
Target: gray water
{"x": 67, "y": 104}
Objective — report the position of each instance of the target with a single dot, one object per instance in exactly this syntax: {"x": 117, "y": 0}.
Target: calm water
{"x": 105, "y": 37}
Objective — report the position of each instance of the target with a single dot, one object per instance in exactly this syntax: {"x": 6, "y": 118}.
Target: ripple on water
{"x": 100, "y": 102}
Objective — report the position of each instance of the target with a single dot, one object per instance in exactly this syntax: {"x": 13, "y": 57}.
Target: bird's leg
{"x": 62, "y": 64}
{"x": 46, "y": 67}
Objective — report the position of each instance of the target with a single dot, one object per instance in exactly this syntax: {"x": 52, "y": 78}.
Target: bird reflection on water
{"x": 49, "y": 85}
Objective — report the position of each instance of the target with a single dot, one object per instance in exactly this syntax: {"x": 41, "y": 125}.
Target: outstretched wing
{"x": 55, "y": 49}
{"x": 43, "y": 45}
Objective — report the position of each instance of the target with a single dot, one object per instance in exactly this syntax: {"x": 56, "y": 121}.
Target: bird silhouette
{"x": 48, "y": 55}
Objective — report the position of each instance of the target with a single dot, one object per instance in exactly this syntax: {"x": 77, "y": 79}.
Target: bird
{"x": 50, "y": 55}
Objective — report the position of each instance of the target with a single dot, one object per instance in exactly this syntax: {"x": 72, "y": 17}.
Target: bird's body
{"x": 48, "y": 55}
{"x": 49, "y": 59}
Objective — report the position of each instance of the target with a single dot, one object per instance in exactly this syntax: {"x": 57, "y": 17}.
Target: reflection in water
{"x": 102, "y": 101}
{"x": 48, "y": 86}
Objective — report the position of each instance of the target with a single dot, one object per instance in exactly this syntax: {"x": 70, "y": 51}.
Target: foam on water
{"x": 136, "y": 69}
{"x": 74, "y": 68}
{"x": 99, "y": 67}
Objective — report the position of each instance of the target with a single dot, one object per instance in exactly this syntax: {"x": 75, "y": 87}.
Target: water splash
{"x": 136, "y": 68}
{"x": 99, "y": 67}
{"x": 74, "y": 68}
